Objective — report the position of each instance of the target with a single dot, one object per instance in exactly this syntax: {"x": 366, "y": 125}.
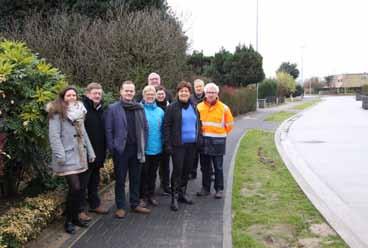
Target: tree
{"x": 242, "y": 68}
{"x": 219, "y": 68}
{"x": 289, "y": 68}
{"x": 245, "y": 67}
{"x": 313, "y": 83}
{"x": 328, "y": 80}
{"x": 198, "y": 63}
{"x": 285, "y": 84}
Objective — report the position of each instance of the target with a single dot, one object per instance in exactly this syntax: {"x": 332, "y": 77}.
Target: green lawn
{"x": 279, "y": 116}
{"x": 269, "y": 209}
{"x": 306, "y": 104}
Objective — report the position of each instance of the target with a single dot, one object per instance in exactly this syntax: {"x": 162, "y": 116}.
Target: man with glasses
{"x": 217, "y": 123}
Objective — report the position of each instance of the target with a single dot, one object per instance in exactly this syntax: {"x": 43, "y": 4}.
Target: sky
{"x": 323, "y": 37}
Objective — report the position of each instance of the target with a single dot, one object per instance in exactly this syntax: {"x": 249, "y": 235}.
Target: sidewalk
{"x": 207, "y": 223}
{"x": 325, "y": 150}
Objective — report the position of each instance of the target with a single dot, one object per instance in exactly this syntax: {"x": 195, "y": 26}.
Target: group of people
{"x": 141, "y": 133}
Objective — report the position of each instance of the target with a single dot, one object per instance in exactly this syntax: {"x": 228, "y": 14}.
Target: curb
{"x": 331, "y": 207}
{"x": 227, "y": 241}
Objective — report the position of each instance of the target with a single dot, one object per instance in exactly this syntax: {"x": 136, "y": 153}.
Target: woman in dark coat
{"x": 181, "y": 133}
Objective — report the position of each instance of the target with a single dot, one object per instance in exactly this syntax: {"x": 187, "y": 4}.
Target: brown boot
{"x": 84, "y": 217}
{"x": 141, "y": 210}
{"x": 99, "y": 210}
{"x": 120, "y": 213}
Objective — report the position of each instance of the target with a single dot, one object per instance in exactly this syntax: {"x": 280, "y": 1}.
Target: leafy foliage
{"x": 267, "y": 88}
{"x": 27, "y": 84}
{"x": 289, "y": 68}
{"x": 241, "y": 68}
{"x": 285, "y": 84}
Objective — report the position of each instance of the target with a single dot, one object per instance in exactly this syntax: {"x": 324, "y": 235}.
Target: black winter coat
{"x": 95, "y": 127}
{"x": 172, "y": 126}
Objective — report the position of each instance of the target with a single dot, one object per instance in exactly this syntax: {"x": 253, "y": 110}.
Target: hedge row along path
{"x": 207, "y": 223}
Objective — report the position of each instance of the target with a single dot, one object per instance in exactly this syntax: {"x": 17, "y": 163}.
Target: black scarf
{"x": 140, "y": 126}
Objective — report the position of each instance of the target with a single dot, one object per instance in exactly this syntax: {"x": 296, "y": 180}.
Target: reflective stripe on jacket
{"x": 217, "y": 120}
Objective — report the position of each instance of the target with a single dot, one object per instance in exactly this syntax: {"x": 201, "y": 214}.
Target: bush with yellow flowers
{"x": 27, "y": 83}
{"x": 26, "y": 221}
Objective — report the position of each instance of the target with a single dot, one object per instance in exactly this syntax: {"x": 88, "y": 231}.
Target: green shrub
{"x": 267, "y": 88}
{"x": 365, "y": 90}
{"x": 27, "y": 83}
{"x": 240, "y": 100}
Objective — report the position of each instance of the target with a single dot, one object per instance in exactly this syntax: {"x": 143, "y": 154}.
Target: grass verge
{"x": 279, "y": 116}
{"x": 269, "y": 209}
{"x": 306, "y": 104}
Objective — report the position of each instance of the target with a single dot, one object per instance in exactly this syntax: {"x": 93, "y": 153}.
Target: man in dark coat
{"x": 94, "y": 123}
{"x": 196, "y": 98}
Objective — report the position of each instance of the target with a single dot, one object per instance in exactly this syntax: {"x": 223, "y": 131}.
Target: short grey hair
{"x": 198, "y": 81}
{"x": 211, "y": 86}
{"x": 148, "y": 88}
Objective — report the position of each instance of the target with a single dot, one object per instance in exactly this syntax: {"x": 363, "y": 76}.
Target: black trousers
{"x": 90, "y": 181}
{"x": 148, "y": 175}
{"x": 74, "y": 198}
{"x": 164, "y": 171}
{"x": 122, "y": 163}
{"x": 207, "y": 161}
{"x": 182, "y": 158}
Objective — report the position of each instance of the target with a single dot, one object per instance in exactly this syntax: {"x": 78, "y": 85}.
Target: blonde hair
{"x": 148, "y": 88}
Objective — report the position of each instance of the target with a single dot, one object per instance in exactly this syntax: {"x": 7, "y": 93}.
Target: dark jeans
{"x": 122, "y": 163}
{"x": 206, "y": 166}
{"x": 182, "y": 158}
{"x": 90, "y": 181}
{"x": 74, "y": 198}
{"x": 165, "y": 171}
{"x": 148, "y": 175}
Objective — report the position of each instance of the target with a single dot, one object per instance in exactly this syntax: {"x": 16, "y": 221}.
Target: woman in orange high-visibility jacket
{"x": 217, "y": 123}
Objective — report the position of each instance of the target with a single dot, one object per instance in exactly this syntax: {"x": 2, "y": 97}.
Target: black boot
{"x": 174, "y": 202}
{"x": 79, "y": 222}
{"x": 183, "y": 197}
{"x": 69, "y": 227}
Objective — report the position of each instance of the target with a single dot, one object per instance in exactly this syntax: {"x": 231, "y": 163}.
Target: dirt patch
{"x": 277, "y": 236}
{"x": 263, "y": 159}
{"x": 322, "y": 230}
{"x": 251, "y": 190}
{"x": 309, "y": 243}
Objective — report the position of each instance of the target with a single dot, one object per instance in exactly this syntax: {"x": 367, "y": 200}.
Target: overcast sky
{"x": 332, "y": 35}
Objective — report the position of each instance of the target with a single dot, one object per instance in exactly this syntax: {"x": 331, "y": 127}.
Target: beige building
{"x": 348, "y": 82}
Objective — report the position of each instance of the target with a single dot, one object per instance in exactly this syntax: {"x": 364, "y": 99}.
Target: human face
{"x": 198, "y": 88}
{"x": 95, "y": 95}
{"x": 154, "y": 80}
{"x": 161, "y": 95}
{"x": 127, "y": 92}
{"x": 70, "y": 96}
{"x": 149, "y": 96}
{"x": 184, "y": 94}
{"x": 211, "y": 95}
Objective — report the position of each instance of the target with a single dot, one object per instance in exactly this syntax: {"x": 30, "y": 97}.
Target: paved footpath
{"x": 207, "y": 223}
{"x": 325, "y": 148}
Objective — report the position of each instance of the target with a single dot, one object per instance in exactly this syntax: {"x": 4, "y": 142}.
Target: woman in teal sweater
{"x": 155, "y": 117}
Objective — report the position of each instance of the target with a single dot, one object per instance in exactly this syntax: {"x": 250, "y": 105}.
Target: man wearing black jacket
{"x": 95, "y": 128}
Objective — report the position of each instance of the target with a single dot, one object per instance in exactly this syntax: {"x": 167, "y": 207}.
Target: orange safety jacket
{"x": 217, "y": 120}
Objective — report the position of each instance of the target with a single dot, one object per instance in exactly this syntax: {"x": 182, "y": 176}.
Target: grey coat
{"x": 64, "y": 146}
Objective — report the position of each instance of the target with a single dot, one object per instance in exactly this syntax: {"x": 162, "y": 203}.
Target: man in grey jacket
{"x": 126, "y": 136}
